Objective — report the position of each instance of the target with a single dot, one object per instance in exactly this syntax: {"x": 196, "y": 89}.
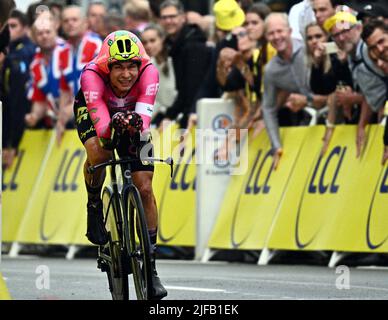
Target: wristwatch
{"x": 310, "y": 99}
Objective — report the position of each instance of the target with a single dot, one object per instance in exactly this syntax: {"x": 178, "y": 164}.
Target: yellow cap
{"x": 228, "y": 14}
{"x": 339, "y": 18}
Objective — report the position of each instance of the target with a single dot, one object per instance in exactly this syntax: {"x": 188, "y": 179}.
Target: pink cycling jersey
{"x": 102, "y": 102}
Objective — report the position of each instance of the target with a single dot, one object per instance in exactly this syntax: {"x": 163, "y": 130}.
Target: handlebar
{"x": 169, "y": 161}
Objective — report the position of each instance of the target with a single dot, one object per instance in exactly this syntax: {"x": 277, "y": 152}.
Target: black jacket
{"x": 191, "y": 58}
{"x": 326, "y": 83}
{"x": 15, "y": 77}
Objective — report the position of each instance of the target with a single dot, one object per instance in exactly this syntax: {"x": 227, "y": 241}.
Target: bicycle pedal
{"x": 102, "y": 265}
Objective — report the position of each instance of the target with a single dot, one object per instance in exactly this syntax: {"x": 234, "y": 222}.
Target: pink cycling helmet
{"x": 118, "y": 46}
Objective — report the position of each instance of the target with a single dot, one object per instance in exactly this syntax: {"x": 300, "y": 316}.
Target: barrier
{"x": 19, "y": 180}
{"x": 335, "y": 202}
{"x": 214, "y": 119}
{"x": 252, "y": 200}
{"x": 58, "y": 196}
{"x": 176, "y": 196}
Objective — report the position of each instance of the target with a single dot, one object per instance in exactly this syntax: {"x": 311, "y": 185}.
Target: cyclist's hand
{"x": 127, "y": 121}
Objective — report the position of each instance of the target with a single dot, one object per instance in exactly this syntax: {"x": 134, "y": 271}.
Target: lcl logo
{"x": 320, "y": 182}
{"x": 380, "y": 195}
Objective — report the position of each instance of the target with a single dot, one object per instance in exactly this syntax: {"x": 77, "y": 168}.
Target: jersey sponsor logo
{"x": 90, "y": 96}
{"x": 152, "y": 89}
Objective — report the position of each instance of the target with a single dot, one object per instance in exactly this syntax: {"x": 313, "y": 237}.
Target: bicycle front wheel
{"x": 117, "y": 270}
{"x": 139, "y": 246}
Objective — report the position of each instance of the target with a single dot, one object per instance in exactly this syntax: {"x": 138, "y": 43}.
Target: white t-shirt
{"x": 300, "y": 16}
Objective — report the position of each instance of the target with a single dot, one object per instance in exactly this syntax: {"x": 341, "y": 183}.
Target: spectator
{"x": 323, "y": 10}
{"x": 81, "y": 48}
{"x": 301, "y": 15}
{"x": 48, "y": 92}
{"x": 373, "y": 11}
{"x": 137, "y": 15}
{"x": 15, "y": 77}
{"x": 228, "y": 16}
{"x": 155, "y": 8}
{"x": 237, "y": 71}
{"x": 346, "y": 32}
{"x": 254, "y": 23}
{"x": 153, "y": 39}
{"x": 56, "y": 10}
{"x": 187, "y": 47}
{"x": 245, "y": 4}
{"x": 96, "y": 14}
{"x": 315, "y": 38}
{"x": 113, "y": 22}
{"x": 286, "y": 72}
{"x": 206, "y": 23}
{"x": 243, "y": 70}
{"x": 6, "y": 7}
{"x": 375, "y": 35}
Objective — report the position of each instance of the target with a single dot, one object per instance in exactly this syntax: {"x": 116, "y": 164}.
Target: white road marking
{"x": 196, "y": 289}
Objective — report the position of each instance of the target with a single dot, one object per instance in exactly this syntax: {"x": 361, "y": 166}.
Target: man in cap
{"x": 346, "y": 31}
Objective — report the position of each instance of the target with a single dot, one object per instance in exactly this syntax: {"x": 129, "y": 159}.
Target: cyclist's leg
{"x": 143, "y": 182}
{"x": 96, "y": 232}
{"x": 95, "y": 155}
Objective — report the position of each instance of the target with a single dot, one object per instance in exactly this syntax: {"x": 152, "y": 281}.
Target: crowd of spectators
{"x": 325, "y": 59}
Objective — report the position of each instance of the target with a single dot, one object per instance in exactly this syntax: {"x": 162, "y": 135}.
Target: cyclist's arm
{"x": 93, "y": 87}
{"x": 147, "y": 90}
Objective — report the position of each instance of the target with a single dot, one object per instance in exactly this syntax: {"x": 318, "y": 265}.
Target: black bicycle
{"x": 128, "y": 248}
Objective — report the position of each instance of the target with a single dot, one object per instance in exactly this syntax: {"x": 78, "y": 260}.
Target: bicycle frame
{"x": 122, "y": 246}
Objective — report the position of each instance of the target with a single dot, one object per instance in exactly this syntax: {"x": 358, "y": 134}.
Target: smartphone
{"x": 231, "y": 41}
{"x": 331, "y": 47}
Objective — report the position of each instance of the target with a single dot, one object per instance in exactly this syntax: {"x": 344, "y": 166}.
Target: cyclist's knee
{"x": 95, "y": 153}
{"x": 145, "y": 190}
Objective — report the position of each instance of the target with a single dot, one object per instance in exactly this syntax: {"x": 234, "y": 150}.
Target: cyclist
{"x": 119, "y": 86}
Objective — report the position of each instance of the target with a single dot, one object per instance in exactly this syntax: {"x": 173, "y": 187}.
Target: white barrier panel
{"x": 215, "y": 117}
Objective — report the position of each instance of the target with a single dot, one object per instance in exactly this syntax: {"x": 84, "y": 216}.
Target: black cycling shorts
{"x": 128, "y": 146}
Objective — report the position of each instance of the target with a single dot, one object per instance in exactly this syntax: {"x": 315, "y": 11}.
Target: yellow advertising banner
{"x": 176, "y": 196}
{"x": 20, "y": 179}
{"x": 53, "y": 213}
{"x": 252, "y": 199}
{"x": 335, "y": 202}
{"x": 362, "y": 222}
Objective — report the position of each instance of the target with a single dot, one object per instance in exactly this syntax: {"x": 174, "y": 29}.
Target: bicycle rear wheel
{"x": 117, "y": 270}
{"x": 139, "y": 246}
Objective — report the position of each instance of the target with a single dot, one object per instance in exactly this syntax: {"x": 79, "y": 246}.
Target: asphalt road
{"x": 36, "y": 278}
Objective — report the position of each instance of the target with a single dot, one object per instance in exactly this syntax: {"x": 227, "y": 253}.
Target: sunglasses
{"x": 241, "y": 34}
{"x": 168, "y": 17}
{"x": 342, "y": 32}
